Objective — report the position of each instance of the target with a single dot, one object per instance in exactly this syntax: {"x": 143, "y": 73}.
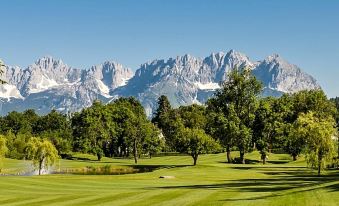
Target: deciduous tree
{"x": 153, "y": 139}
{"x": 196, "y": 142}
{"x": 3, "y": 150}
{"x": 317, "y": 132}
{"x": 42, "y": 152}
{"x": 238, "y": 98}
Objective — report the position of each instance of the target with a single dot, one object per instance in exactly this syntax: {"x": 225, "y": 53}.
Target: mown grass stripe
{"x": 30, "y": 201}
{"x": 15, "y": 200}
{"x": 142, "y": 195}
{"x": 211, "y": 182}
{"x": 30, "y": 186}
{"x": 190, "y": 197}
{"x": 60, "y": 202}
{"x": 164, "y": 196}
{"x": 54, "y": 199}
{"x": 106, "y": 198}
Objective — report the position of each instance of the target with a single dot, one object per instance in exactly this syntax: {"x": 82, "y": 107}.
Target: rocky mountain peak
{"x": 111, "y": 74}
{"x": 278, "y": 74}
{"x": 273, "y": 57}
{"x": 48, "y": 62}
{"x": 50, "y": 83}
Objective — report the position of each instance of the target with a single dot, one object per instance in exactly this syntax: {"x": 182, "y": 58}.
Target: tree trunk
{"x": 99, "y": 156}
{"x": 150, "y": 155}
{"x": 195, "y": 159}
{"x": 135, "y": 151}
{"x": 263, "y": 157}
{"x": 228, "y": 154}
{"x": 295, "y": 157}
{"x": 319, "y": 164}
{"x": 242, "y": 156}
{"x": 319, "y": 169}
{"x": 40, "y": 166}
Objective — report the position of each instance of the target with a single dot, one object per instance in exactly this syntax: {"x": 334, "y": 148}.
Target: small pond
{"x": 104, "y": 170}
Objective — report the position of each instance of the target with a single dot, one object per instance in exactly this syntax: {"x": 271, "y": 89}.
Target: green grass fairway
{"x": 211, "y": 182}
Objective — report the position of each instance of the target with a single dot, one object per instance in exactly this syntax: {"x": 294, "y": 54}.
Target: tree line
{"x": 236, "y": 118}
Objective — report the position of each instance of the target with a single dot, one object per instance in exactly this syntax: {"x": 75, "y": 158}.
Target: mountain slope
{"x": 49, "y": 83}
{"x": 279, "y": 75}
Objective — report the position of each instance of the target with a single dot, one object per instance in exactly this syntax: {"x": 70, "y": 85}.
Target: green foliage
{"x": 133, "y": 125}
{"x": 193, "y": 116}
{"x": 153, "y": 140}
{"x": 42, "y": 152}
{"x": 164, "y": 107}
{"x": 18, "y": 127}
{"x": 195, "y": 142}
{"x": 3, "y": 150}
{"x": 172, "y": 124}
{"x": 262, "y": 146}
{"x": 57, "y": 128}
{"x": 335, "y": 101}
{"x": 17, "y": 122}
{"x": 304, "y": 102}
{"x": 317, "y": 133}
{"x": 224, "y": 130}
{"x": 92, "y": 128}
{"x": 312, "y": 100}
{"x": 16, "y": 144}
{"x": 235, "y": 117}
{"x": 270, "y": 124}
{"x": 237, "y": 102}
{"x": 294, "y": 145}
{"x": 267, "y": 122}
{"x": 120, "y": 128}
{"x": 168, "y": 121}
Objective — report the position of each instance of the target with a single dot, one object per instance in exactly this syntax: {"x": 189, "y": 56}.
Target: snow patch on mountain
{"x": 207, "y": 86}
{"x": 44, "y": 84}
{"x": 124, "y": 81}
{"x": 103, "y": 88}
{"x": 8, "y": 91}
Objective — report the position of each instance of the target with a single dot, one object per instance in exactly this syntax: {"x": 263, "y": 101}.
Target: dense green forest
{"x": 236, "y": 118}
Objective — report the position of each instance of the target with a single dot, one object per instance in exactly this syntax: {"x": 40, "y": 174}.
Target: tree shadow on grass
{"x": 151, "y": 168}
{"x": 265, "y": 167}
{"x": 278, "y": 161}
{"x": 333, "y": 188}
{"x": 282, "y": 183}
{"x": 251, "y": 162}
{"x": 236, "y": 161}
{"x": 78, "y": 158}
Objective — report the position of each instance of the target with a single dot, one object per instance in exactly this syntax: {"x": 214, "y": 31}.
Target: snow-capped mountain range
{"x": 51, "y": 84}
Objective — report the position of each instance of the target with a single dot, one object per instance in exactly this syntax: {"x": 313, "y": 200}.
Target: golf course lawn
{"x": 211, "y": 182}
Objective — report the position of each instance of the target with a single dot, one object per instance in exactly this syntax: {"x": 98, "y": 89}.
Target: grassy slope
{"x": 212, "y": 182}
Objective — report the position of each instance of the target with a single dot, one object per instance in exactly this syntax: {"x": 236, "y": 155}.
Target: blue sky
{"x": 88, "y": 32}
